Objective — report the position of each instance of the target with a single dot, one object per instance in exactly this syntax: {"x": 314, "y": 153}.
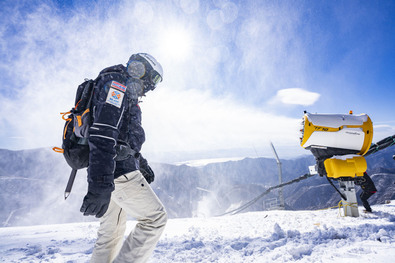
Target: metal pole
{"x": 280, "y": 175}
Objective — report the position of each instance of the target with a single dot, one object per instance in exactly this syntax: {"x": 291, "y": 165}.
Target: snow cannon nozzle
{"x": 327, "y": 135}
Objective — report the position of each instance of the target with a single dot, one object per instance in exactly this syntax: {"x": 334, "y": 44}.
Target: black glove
{"x": 95, "y": 204}
{"x": 147, "y": 173}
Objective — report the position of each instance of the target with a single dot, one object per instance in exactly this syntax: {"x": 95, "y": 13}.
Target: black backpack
{"x": 75, "y": 146}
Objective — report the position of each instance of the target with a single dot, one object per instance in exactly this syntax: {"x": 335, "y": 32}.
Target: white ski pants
{"x": 132, "y": 196}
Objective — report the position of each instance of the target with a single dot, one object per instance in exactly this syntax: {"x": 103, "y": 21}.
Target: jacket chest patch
{"x": 115, "y": 97}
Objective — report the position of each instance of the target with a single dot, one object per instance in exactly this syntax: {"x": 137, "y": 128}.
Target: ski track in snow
{"x": 268, "y": 236}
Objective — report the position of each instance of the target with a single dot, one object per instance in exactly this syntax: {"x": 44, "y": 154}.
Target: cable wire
{"x": 249, "y": 203}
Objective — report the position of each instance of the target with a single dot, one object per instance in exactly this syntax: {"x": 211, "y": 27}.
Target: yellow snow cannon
{"x": 338, "y": 143}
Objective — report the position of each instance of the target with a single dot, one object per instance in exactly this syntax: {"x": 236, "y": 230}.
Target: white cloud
{"x": 381, "y": 131}
{"x": 296, "y": 96}
{"x": 192, "y": 120}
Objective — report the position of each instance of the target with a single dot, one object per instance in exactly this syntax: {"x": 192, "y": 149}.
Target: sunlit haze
{"x": 237, "y": 74}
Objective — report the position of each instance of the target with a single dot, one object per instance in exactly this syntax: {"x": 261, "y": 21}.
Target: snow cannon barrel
{"x": 336, "y": 134}
{"x": 345, "y": 166}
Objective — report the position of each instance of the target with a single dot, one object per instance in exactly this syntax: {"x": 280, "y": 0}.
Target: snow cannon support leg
{"x": 350, "y": 206}
{"x": 345, "y": 169}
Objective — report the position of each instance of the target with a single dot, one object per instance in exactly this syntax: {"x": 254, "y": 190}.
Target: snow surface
{"x": 268, "y": 236}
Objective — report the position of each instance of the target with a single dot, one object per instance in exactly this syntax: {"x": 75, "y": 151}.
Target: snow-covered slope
{"x": 272, "y": 236}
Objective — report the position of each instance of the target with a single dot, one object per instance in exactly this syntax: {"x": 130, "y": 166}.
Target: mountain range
{"x": 32, "y": 184}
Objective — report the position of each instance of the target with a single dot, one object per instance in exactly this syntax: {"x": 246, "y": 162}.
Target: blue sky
{"x": 238, "y": 74}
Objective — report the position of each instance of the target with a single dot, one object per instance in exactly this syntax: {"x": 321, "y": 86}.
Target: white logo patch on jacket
{"x": 115, "y": 94}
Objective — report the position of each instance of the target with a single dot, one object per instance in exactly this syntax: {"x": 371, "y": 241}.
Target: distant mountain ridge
{"x": 32, "y": 183}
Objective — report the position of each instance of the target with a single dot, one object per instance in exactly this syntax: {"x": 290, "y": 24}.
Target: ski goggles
{"x": 144, "y": 71}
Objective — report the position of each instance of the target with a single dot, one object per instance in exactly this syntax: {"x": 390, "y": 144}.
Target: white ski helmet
{"x": 145, "y": 67}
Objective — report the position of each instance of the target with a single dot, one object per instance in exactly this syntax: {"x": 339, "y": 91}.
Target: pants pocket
{"x": 129, "y": 186}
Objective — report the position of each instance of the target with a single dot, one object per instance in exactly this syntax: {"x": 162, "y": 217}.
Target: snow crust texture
{"x": 272, "y": 236}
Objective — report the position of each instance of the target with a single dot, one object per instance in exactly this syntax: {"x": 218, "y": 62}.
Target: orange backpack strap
{"x": 64, "y": 114}
{"x": 58, "y": 150}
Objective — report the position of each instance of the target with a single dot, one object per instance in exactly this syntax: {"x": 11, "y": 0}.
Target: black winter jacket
{"x": 116, "y": 117}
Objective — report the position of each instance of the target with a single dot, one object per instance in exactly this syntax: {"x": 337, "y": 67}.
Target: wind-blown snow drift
{"x": 273, "y": 236}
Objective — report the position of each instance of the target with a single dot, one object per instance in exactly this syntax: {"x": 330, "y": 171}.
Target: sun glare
{"x": 176, "y": 43}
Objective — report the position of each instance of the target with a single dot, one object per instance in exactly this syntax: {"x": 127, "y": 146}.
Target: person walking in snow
{"x": 118, "y": 175}
{"x": 368, "y": 189}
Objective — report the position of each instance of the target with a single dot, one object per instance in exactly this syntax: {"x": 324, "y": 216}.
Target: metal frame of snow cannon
{"x": 338, "y": 142}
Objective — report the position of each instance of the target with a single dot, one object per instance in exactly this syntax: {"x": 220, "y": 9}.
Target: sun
{"x": 176, "y": 42}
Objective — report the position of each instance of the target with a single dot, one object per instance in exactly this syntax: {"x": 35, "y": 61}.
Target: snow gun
{"x": 338, "y": 143}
